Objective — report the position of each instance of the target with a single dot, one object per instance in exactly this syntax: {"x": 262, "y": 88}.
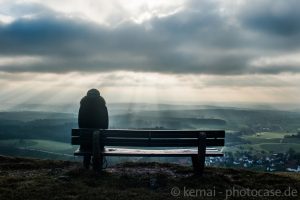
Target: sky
{"x": 153, "y": 51}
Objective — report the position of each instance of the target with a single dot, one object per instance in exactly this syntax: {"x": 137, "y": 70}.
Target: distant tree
{"x": 229, "y": 154}
{"x": 291, "y": 152}
{"x": 271, "y": 152}
{"x": 297, "y": 157}
{"x": 237, "y": 154}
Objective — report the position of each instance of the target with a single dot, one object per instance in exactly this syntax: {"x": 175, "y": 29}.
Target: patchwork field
{"x": 37, "y": 148}
{"x": 46, "y": 145}
{"x": 270, "y": 142}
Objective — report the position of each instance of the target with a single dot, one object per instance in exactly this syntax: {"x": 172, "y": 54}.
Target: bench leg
{"x": 198, "y": 164}
{"x": 199, "y": 159}
{"x": 97, "y": 152}
{"x": 86, "y": 161}
{"x": 97, "y": 163}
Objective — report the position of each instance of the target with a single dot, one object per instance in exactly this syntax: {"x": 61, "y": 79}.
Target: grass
{"x": 45, "y": 179}
{"x": 267, "y": 141}
{"x": 37, "y": 149}
{"x": 267, "y": 147}
{"x": 51, "y": 145}
{"x": 46, "y": 145}
{"x": 263, "y": 137}
{"x": 280, "y": 147}
{"x": 272, "y": 135}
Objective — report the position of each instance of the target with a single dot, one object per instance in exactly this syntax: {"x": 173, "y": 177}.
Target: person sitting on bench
{"x": 92, "y": 114}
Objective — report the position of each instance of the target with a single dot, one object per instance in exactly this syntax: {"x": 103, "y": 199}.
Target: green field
{"x": 268, "y": 142}
{"x": 280, "y": 147}
{"x": 45, "y": 145}
{"x": 266, "y": 147}
{"x": 267, "y": 137}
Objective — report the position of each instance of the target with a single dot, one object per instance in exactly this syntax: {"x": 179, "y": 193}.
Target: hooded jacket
{"x": 93, "y": 112}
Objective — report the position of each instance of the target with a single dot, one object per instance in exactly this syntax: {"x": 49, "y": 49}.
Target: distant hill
{"x": 36, "y": 125}
{"x": 22, "y": 178}
{"x": 183, "y": 121}
{"x": 26, "y": 116}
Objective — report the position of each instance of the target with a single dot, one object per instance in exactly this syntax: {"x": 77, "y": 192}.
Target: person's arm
{"x": 106, "y": 118}
{"x": 81, "y": 117}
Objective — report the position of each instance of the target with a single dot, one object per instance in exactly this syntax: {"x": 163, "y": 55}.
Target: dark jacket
{"x": 93, "y": 113}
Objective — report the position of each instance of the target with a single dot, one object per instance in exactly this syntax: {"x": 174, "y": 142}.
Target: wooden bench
{"x": 108, "y": 143}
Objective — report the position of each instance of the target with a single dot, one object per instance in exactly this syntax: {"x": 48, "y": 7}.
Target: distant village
{"x": 259, "y": 161}
{"x": 262, "y": 161}
{"x": 283, "y": 162}
{"x": 289, "y": 161}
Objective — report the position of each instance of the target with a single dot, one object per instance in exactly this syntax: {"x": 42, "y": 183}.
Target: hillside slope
{"x": 22, "y": 178}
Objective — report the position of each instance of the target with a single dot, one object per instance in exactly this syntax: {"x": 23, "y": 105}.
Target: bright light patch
{"x": 280, "y": 60}
{"x": 6, "y": 19}
{"x": 114, "y": 11}
{"x": 153, "y": 88}
{"x": 20, "y": 60}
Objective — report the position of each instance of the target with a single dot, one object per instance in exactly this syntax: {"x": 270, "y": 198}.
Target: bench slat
{"x": 154, "y": 153}
{"x": 162, "y": 142}
{"x": 152, "y": 133}
{"x": 150, "y": 143}
{"x": 80, "y": 140}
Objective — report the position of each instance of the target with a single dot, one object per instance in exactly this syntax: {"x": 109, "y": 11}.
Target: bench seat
{"x": 148, "y": 143}
{"x": 210, "y": 152}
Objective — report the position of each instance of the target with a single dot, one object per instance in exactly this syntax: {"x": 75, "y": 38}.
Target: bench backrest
{"x": 150, "y": 138}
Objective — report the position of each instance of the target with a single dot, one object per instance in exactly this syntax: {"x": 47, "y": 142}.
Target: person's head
{"x": 93, "y": 93}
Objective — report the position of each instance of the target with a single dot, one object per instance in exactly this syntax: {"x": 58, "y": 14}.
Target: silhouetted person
{"x": 92, "y": 114}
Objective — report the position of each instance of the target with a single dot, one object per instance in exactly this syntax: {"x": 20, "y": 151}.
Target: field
{"x": 270, "y": 142}
{"x": 37, "y": 148}
{"x": 266, "y": 136}
{"x": 46, "y": 145}
{"x": 279, "y": 147}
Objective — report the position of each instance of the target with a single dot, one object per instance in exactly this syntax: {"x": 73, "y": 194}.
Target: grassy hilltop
{"x": 22, "y": 178}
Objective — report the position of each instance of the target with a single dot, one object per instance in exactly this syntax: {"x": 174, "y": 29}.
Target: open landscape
{"x": 149, "y": 99}
{"x": 251, "y": 134}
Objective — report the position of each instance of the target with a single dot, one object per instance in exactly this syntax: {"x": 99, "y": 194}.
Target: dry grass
{"x": 46, "y": 179}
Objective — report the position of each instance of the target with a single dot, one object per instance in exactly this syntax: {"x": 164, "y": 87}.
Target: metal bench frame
{"x": 102, "y": 142}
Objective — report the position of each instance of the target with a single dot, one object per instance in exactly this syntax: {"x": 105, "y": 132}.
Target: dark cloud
{"x": 198, "y": 39}
{"x": 279, "y": 17}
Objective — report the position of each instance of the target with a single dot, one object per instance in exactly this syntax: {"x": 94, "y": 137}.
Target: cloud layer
{"x": 207, "y": 37}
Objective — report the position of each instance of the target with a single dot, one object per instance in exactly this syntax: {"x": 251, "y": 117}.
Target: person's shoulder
{"x": 102, "y": 99}
{"x": 83, "y": 100}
